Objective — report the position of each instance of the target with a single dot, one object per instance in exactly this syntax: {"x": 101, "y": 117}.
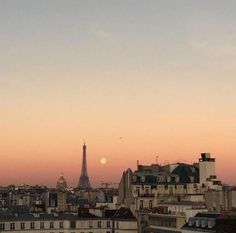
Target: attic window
{"x": 143, "y": 178}
{"x": 160, "y": 179}
{"x": 191, "y": 178}
{"x": 177, "y": 179}
{"x": 193, "y": 169}
{"x": 211, "y": 224}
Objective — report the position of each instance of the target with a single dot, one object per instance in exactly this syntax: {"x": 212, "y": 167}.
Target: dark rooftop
{"x": 157, "y": 230}
{"x": 123, "y": 214}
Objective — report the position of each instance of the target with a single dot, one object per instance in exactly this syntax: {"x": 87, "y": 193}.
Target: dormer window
{"x": 191, "y": 178}
{"x": 203, "y": 223}
{"x": 211, "y": 224}
{"x": 198, "y": 223}
{"x": 143, "y": 178}
{"x": 160, "y": 179}
{"x": 134, "y": 178}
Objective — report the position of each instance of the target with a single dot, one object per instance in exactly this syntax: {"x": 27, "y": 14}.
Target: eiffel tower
{"x": 84, "y": 183}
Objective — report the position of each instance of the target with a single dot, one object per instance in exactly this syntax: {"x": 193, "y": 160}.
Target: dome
{"x": 61, "y": 183}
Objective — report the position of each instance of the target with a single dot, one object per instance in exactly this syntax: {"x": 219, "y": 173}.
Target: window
{"x": 51, "y": 225}
{"x": 168, "y": 179}
{"x": 177, "y": 179}
{"x": 72, "y": 224}
{"x": 61, "y": 225}
{"x": 143, "y": 178}
{"x": 108, "y": 224}
{"x": 138, "y": 191}
{"x": 32, "y": 225}
{"x": 117, "y": 225}
{"x": 99, "y": 224}
{"x": 41, "y": 225}
{"x": 2, "y": 226}
{"x": 146, "y": 190}
{"x": 12, "y": 226}
{"x": 141, "y": 204}
{"x": 150, "y": 204}
{"x": 90, "y": 224}
{"x": 191, "y": 179}
{"x": 160, "y": 179}
{"x": 22, "y": 225}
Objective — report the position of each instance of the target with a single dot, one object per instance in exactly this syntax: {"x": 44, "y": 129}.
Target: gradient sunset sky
{"x": 135, "y": 79}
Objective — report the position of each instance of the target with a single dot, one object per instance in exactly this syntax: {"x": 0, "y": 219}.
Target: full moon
{"x": 103, "y": 161}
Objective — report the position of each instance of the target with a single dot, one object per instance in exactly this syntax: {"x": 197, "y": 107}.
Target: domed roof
{"x": 61, "y": 183}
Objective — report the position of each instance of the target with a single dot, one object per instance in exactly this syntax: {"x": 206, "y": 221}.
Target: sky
{"x": 134, "y": 79}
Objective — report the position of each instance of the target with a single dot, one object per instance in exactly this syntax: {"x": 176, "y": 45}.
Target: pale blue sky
{"x": 141, "y": 69}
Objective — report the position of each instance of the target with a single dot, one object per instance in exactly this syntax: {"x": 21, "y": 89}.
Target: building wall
{"x": 86, "y": 226}
{"x": 221, "y": 200}
{"x": 62, "y": 205}
{"x": 207, "y": 169}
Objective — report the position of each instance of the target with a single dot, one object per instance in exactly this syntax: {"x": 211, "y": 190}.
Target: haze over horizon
{"x": 135, "y": 79}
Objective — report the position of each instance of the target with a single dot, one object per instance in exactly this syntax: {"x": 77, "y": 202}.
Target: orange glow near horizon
{"x": 148, "y": 78}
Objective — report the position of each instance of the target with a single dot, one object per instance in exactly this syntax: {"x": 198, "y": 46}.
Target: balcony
{"x": 146, "y": 195}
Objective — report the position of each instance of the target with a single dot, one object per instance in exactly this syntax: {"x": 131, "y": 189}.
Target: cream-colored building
{"x": 84, "y": 222}
{"x": 221, "y": 199}
{"x": 151, "y": 185}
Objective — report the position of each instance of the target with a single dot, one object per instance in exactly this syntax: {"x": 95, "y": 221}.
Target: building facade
{"x": 120, "y": 221}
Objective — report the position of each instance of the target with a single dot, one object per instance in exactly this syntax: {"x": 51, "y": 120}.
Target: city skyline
{"x": 107, "y": 179}
{"x": 135, "y": 79}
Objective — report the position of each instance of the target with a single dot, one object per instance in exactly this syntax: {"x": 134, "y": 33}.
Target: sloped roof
{"x": 123, "y": 214}
{"x": 185, "y": 171}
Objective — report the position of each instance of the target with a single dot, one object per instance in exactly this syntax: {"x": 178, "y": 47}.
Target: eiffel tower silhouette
{"x": 84, "y": 183}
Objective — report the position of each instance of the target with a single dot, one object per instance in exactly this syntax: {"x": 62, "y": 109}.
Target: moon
{"x": 103, "y": 161}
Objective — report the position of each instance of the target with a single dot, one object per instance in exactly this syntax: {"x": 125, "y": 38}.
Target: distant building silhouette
{"x": 84, "y": 183}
